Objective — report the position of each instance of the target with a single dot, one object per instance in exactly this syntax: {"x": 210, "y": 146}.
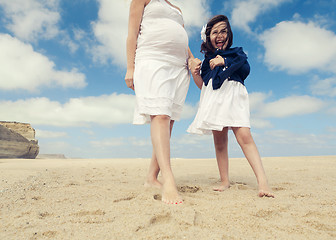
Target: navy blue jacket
{"x": 236, "y": 67}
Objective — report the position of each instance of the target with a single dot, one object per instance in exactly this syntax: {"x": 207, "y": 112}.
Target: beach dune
{"x": 105, "y": 199}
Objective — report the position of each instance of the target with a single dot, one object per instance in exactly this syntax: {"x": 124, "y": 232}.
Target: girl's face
{"x": 218, "y": 36}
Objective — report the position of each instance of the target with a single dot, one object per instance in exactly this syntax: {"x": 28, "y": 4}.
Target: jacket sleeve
{"x": 236, "y": 65}
{"x": 244, "y": 70}
{"x": 206, "y": 72}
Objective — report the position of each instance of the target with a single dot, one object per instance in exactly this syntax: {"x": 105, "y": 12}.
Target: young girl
{"x": 224, "y": 102}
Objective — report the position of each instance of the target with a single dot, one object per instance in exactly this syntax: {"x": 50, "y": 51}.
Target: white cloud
{"x": 105, "y": 110}
{"x": 67, "y": 41}
{"x": 260, "y": 123}
{"x": 60, "y": 147}
{"x": 49, "y": 134}
{"x": 331, "y": 129}
{"x": 122, "y": 141}
{"x": 257, "y": 100}
{"x": 196, "y": 13}
{"x": 276, "y": 143}
{"x": 299, "y": 47}
{"x": 332, "y": 111}
{"x": 325, "y": 87}
{"x": 111, "y": 31}
{"x": 246, "y": 11}
{"x": 30, "y": 20}
{"x": 192, "y": 139}
{"x": 23, "y": 68}
{"x": 107, "y": 143}
{"x": 111, "y": 27}
{"x": 262, "y": 108}
{"x": 291, "y": 106}
{"x": 189, "y": 111}
{"x": 304, "y": 143}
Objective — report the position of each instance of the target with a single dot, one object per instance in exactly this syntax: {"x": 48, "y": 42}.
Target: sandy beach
{"x": 105, "y": 199}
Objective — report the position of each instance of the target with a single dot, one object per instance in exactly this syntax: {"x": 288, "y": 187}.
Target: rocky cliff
{"x": 17, "y": 140}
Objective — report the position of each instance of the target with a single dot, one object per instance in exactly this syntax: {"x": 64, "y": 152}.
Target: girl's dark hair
{"x": 207, "y": 47}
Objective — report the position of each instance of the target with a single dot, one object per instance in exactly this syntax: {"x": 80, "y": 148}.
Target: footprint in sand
{"x": 124, "y": 199}
{"x": 156, "y": 219}
{"x": 189, "y": 189}
{"x": 265, "y": 214}
{"x": 44, "y": 215}
{"x": 49, "y": 234}
{"x": 276, "y": 189}
{"x": 70, "y": 184}
{"x": 198, "y": 221}
{"x": 162, "y": 218}
{"x": 89, "y": 213}
{"x": 239, "y": 185}
{"x": 36, "y": 198}
{"x": 183, "y": 189}
{"x": 157, "y": 197}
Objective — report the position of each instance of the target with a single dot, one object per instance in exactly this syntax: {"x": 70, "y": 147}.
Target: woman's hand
{"x": 194, "y": 66}
{"x": 129, "y": 79}
{"x": 217, "y": 61}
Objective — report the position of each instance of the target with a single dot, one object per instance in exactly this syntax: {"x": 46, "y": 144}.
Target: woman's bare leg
{"x": 160, "y": 133}
{"x": 221, "y": 147}
{"x": 154, "y": 169}
{"x": 247, "y": 144}
{"x": 153, "y": 172}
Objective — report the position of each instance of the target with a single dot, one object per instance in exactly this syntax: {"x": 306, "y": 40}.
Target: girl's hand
{"x": 217, "y": 61}
{"x": 194, "y": 66}
{"x": 129, "y": 79}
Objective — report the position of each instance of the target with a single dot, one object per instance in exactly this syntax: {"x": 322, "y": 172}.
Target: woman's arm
{"x": 135, "y": 16}
{"x": 195, "y": 67}
{"x": 191, "y": 56}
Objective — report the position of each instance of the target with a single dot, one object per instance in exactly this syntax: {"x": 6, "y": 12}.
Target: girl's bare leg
{"x": 221, "y": 147}
{"x": 154, "y": 169}
{"x": 160, "y": 133}
{"x": 247, "y": 144}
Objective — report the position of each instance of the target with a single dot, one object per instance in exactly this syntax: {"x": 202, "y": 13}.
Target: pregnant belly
{"x": 163, "y": 38}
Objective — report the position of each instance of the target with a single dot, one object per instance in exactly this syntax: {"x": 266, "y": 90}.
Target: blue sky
{"x": 63, "y": 65}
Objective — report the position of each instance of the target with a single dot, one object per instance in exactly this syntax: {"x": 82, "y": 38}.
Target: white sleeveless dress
{"x": 161, "y": 76}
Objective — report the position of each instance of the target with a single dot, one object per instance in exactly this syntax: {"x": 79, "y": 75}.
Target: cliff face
{"x": 17, "y": 140}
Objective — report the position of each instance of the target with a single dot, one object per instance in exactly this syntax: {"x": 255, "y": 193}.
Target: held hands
{"x": 217, "y": 61}
{"x": 129, "y": 79}
{"x": 194, "y": 66}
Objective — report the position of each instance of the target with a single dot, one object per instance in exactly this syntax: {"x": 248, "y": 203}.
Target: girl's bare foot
{"x": 221, "y": 186}
{"x": 265, "y": 191}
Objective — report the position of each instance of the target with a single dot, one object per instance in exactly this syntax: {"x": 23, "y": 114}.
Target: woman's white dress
{"x": 227, "y": 106}
{"x": 161, "y": 76}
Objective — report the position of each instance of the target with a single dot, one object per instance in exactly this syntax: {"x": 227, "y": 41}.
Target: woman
{"x": 157, "y": 56}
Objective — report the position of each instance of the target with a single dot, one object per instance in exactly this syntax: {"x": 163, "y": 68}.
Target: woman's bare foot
{"x": 221, "y": 186}
{"x": 153, "y": 184}
{"x": 170, "y": 194}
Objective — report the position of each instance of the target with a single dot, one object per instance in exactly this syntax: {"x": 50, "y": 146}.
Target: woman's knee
{"x": 161, "y": 118}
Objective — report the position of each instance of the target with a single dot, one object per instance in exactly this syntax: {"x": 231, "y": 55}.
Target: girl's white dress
{"x": 227, "y": 106}
{"x": 161, "y": 76}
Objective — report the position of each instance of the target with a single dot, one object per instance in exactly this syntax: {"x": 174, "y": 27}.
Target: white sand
{"x": 105, "y": 199}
